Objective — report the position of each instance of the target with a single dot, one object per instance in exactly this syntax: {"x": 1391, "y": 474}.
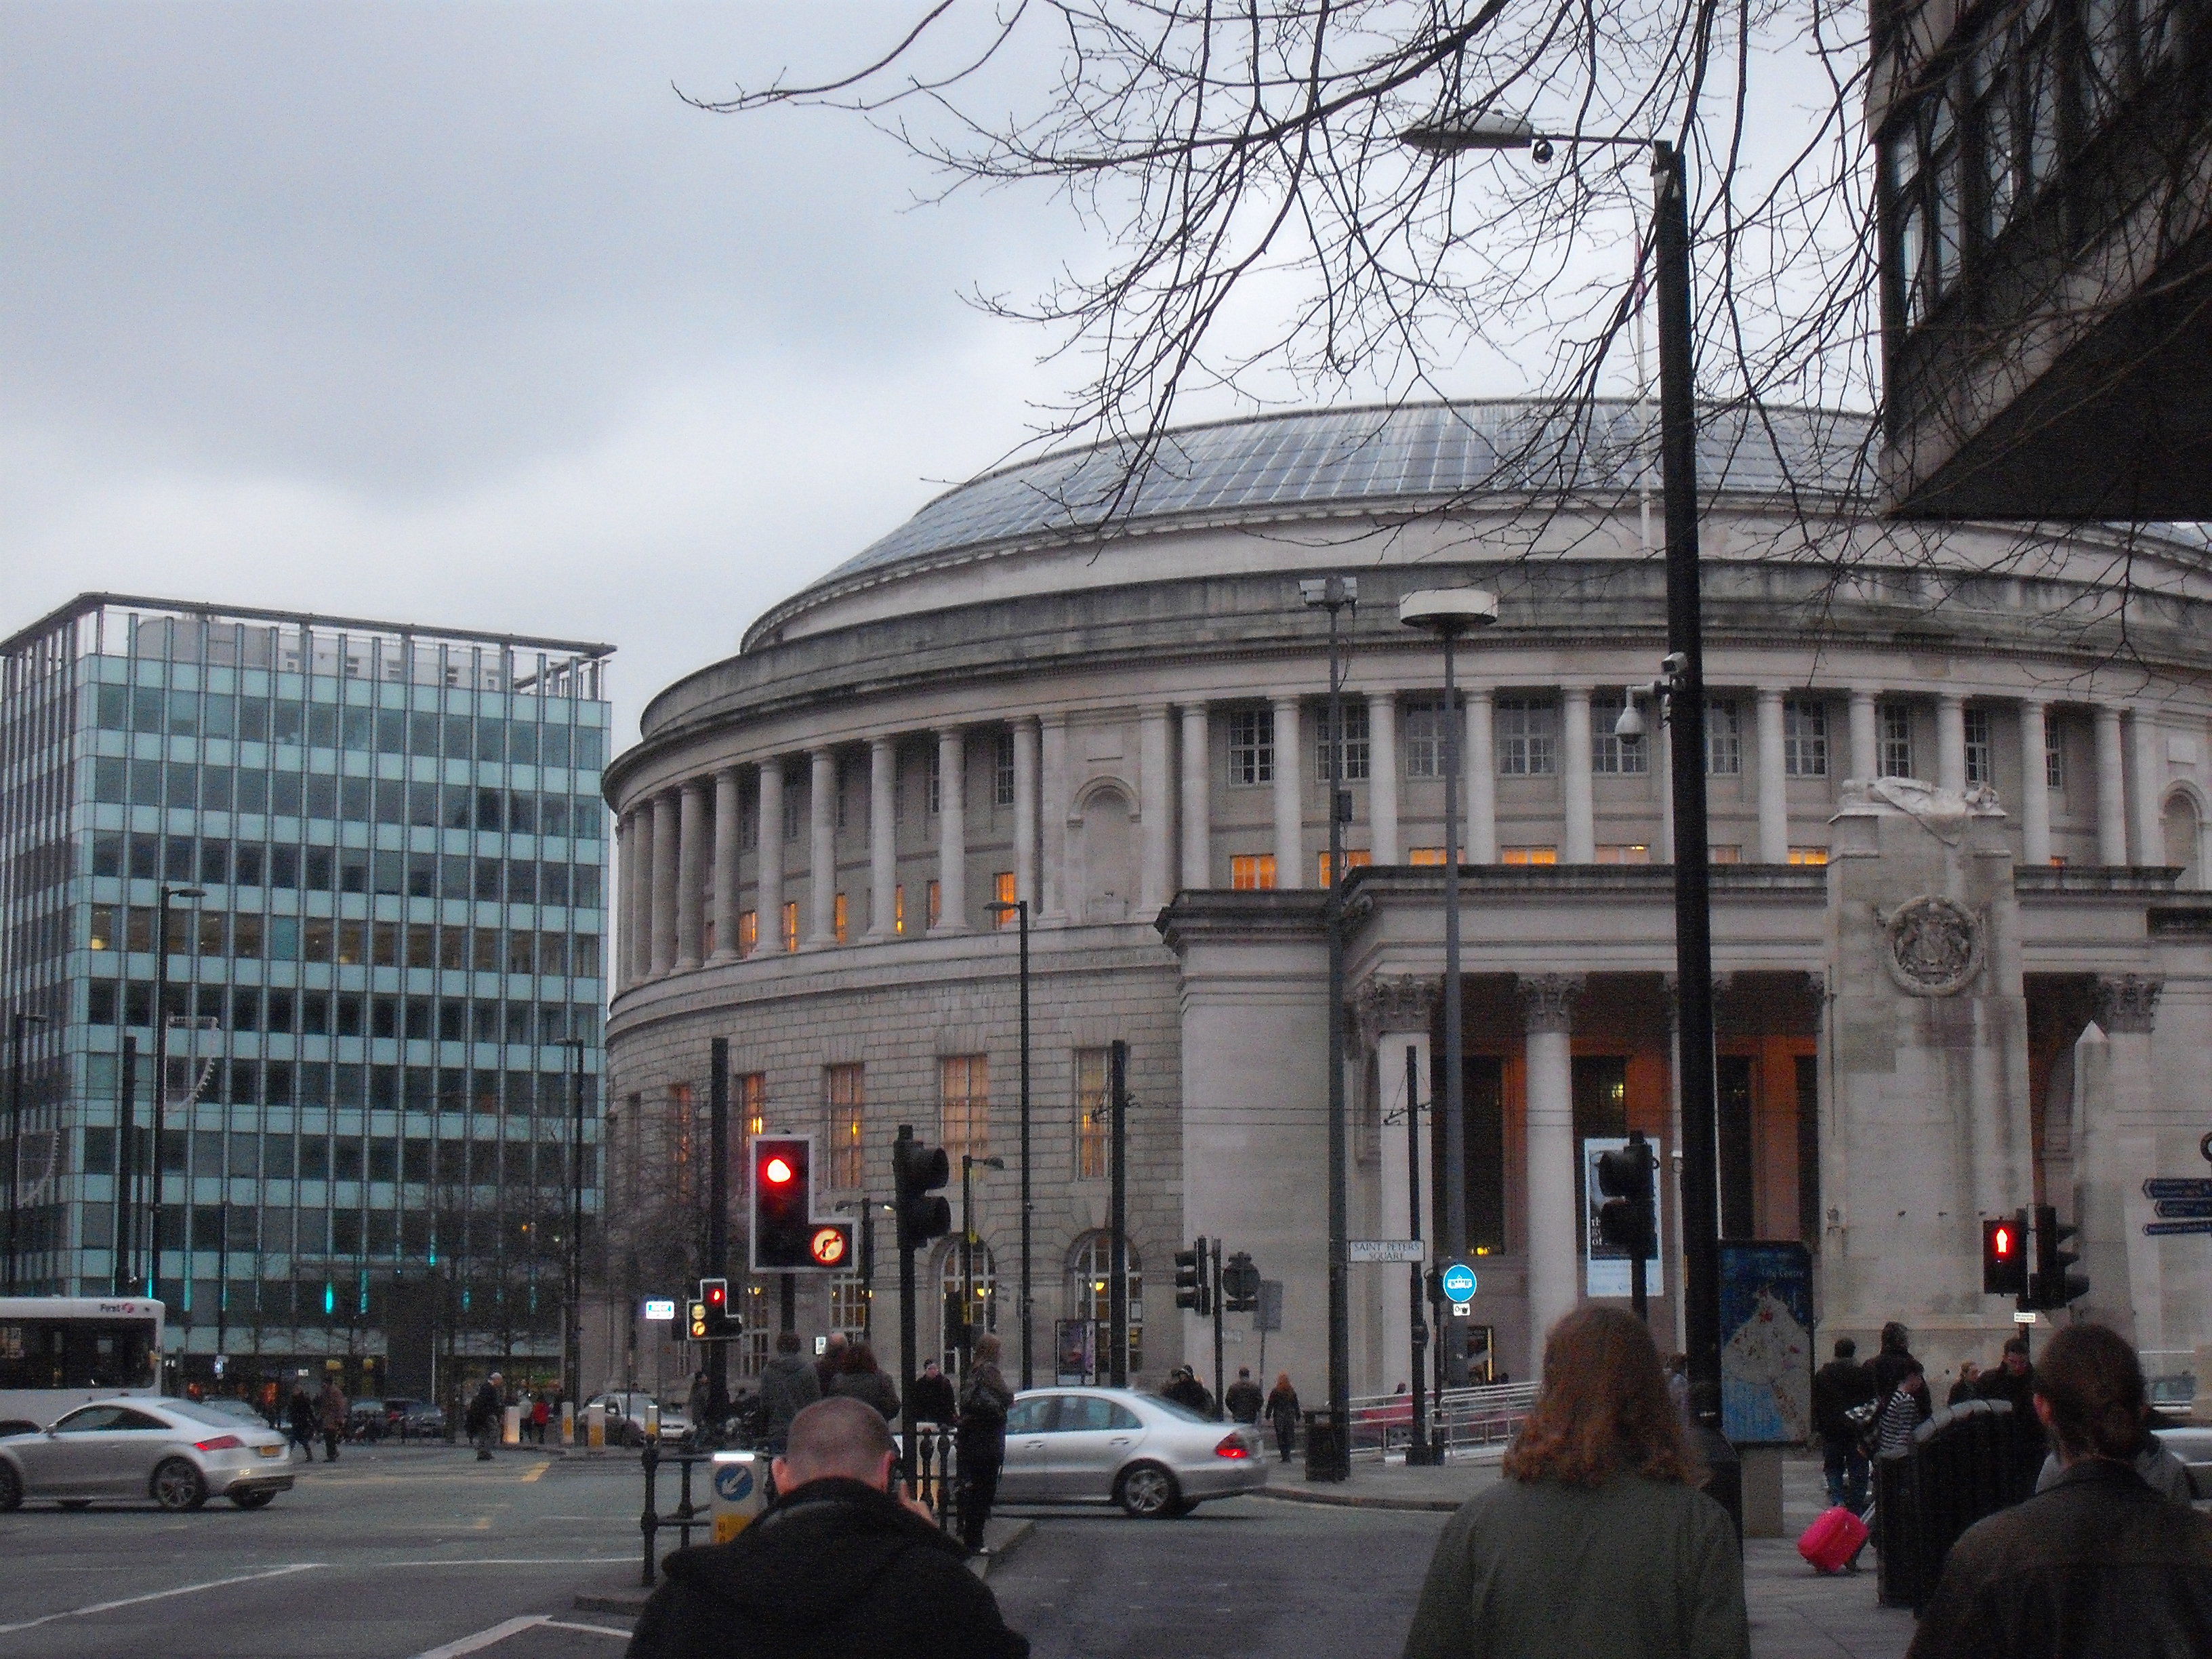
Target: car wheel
{"x": 177, "y": 1485}
{"x": 253, "y": 1500}
{"x": 11, "y": 1488}
{"x": 76, "y": 1503}
{"x": 1148, "y": 1492}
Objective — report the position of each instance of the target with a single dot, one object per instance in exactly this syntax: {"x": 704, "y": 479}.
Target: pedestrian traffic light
{"x": 783, "y": 1202}
{"x": 2004, "y": 1256}
{"x": 1240, "y": 1284}
{"x": 2051, "y": 1286}
{"x": 1628, "y": 1220}
{"x": 1192, "y": 1291}
{"x": 698, "y": 1324}
{"x": 917, "y": 1172}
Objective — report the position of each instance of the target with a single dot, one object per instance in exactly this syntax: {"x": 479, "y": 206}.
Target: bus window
{"x": 76, "y": 1353}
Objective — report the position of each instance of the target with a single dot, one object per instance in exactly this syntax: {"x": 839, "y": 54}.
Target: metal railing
{"x": 937, "y": 1472}
{"x": 1465, "y": 1419}
{"x": 688, "y": 1516}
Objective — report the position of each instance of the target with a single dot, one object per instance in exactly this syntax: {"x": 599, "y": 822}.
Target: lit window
{"x": 1002, "y": 772}
{"x": 845, "y": 1088}
{"x": 1528, "y": 855}
{"x": 1355, "y": 858}
{"x": 838, "y": 914}
{"x": 1356, "y": 745}
{"x": 1625, "y": 853}
{"x": 1978, "y": 769}
{"x": 936, "y": 904}
{"x": 1804, "y": 738}
{"x": 899, "y": 909}
{"x": 103, "y": 928}
{"x": 1611, "y": 754}
{"x": 1724, "y": 853}
{"x": 1252, "y": 746}
{"x": 964, "y": 1092}
{"x": 1091, "y": 1107}
{"x": 1424, "y": 739}
{"x": 1527, "y": 727}
{"x": 1723, "y": 740}
{"x": 1896, "y": 741}
{"x": 2057, "y": 861}
{"x": 748, "y": 932}
{"x": 752, "y": 1102}
{"x": 791, "y": 925}
{"x": 1424, "y": 855}
{"x": 1002, "y": 892}
{"x": 1808, "y": 855}
{"x": 1250, "y": 873}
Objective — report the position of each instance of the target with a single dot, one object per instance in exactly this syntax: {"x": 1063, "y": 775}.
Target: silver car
{"x": 1150, "y": 1455}
{"x": 2192, "y": 1445}
{"x": 176, "y": 1452}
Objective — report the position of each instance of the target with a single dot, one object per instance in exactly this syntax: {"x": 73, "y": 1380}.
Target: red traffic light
{"x": 2005, "y": 1243}
{"x": 777, "y": 1171}
{"x": 717, "y": 1296}
{"x": 2004, "y": 1257}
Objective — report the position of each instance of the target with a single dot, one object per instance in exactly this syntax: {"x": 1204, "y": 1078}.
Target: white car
{"x": 2192, "y": 1445}
{"x": 627, "y": 1418}
{"x": 1151, "y": 1456}
{"x": 177, "y": 1452}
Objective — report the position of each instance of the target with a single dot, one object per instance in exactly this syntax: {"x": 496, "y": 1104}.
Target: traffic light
{"x": 1240, "y": 1284}
{"x": 698, "y": 1324}
{"x": 783, "y": 1202}
{"x": 1192, "y": 1291}
{"x": 2051, "y": 1285}
{"x": 722, "y": 1320}
{"x": 917, "y": 1172}
{"x": 2004, "y": 1256}
{"x": 1627, "y": 1220}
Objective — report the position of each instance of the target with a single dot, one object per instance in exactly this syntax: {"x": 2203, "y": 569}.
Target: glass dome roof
{"x": 1377, "y": 457}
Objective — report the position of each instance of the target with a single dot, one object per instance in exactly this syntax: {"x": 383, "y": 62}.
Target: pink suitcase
{"x": 1833, "y": 1540}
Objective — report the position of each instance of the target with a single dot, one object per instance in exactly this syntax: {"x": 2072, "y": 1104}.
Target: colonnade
{"x": 679, "y": 847}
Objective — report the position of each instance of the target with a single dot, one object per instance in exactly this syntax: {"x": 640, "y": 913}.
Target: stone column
{"x": 1025, "y": 811}
{"x": 1866, "y": 735}
{"x": 691, "y": 880}
{"x": 822, "y": 848}
{"x": 767, "y": 900}
{"x": 1289, "y": 803}
{"x": 2034, "y": 783}
{"x": 1477, "y": 758}
{"x": 2148, "y": 771}
{"x": 729, "y": 847}
{"x": 1773, "y": 781}
{"x": 883, "y": 838}
{"x": 2112, "y": 782}
{"x": 1197, "y": 799}
{"x": 1155, "y": 811}
{"x": 1554, "y": 1169}
{"x": 1951, "y": 742}
{"x": 666, "y": 845}
{"x": 626, "y": 912}
{"x": 1052, "y": 811}
{"x": 1382, "y": 778}
{"x": 951, "y": 830}
{"x": 1578, "y": 841}
{"x": 1395, "y": 1012}
{"x": 2117, "y": 1142}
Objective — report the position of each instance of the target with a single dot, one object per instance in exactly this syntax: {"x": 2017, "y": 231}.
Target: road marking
{"x": 161, "y": 1595}
{"x": 595, "y": 1630}
{"x": 517, "y": 1561}
{"x": 484, "y": 1638}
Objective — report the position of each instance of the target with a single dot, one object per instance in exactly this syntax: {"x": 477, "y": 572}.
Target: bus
{"x": 57, "y": 1352}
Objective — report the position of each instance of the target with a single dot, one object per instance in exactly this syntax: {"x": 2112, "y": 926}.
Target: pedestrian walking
{"x": 1598, "y": 1540}
{"x": 1967, "y": 1385}
{"x": 1891, "y": 1362}
{"x": 695, "y": 1405}
{"x": 829, "y": 1362}
{"x": 541, "y": 1417}
{"x": 1906, "y": 1409}
{"x": 2099, "y": 1564}
{"x": 301, "y": 1412}
{"x": 1839, "y": 1387}
{"x": 840, "y": 1564}
{"x": 1243, "y": 1397}
{"x": 2014, "y": 1380}
{"x": 859, "y": 1377}
{"x": 1186, "y": 1390}
{"x": 981, "y": 1440}
{"x": 787, "y": 1387}
{"x": 331, "y": 1412}
{"x": 1282, "y": 1413}
{"x": 934, "y": 1401}
{"x": 485, "y": 1410}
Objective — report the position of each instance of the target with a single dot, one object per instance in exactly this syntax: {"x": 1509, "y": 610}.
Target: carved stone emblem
{"x": 1933, "y": 945}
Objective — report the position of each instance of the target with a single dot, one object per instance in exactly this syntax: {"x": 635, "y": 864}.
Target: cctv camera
{"x": 1539, "y": 152}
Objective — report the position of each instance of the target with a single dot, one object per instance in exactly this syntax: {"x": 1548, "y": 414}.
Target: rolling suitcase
{"x": 1833, "y": 1540}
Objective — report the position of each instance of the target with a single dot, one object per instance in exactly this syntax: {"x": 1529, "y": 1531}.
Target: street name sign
{"x": 2177, "y": 1187}
{"x": 2168, "y": 1229}
{"x": 1392, "y": 1250}
{"x": 660, "y": 1308}
{"x": 2185, "y": 1209}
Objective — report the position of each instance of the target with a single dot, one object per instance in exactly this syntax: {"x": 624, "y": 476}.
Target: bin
{"x": 1329, "y": 1446}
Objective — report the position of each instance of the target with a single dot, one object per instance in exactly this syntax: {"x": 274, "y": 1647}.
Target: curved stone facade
{"x": 1114, "y": 709}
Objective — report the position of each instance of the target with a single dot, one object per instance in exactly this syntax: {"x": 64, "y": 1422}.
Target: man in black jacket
{"x": 1839, "y": 1386}
{"x": 837, "y": 1565}
{"x": 2099, "y": 1564}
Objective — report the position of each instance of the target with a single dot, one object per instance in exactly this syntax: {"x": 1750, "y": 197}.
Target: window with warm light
{"x": 1634, "y": 852}
{"x": 1528, "y": 855}
{"x": 899, "y": 909}
{"x": 102, "y": 937}
{"x": 964, "y": 1100}
{"x": 752, "y": 1102}
{"x": 936, "y": 904}
{"x": 844, "y": 1085}
{"x": 791, "y": 925}
{"x": 1002, "y": 892}
{"x": 1252, "y": 873}
{"x": 1092, "y": 1128}
{"x": 1808, "y": 855}
{"x": 1355, "y": 858}
{"x": 837, "y": 917}
{"x": 1424, "y": 855}
{"x": 1090, "y": 1291}
{"x": 748, "y": 932}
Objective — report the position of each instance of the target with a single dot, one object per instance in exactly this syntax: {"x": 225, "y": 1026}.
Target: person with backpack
{"x": 981, "y": 1440}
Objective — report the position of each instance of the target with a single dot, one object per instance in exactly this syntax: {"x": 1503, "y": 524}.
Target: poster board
{"x": 1766, "y": 1342}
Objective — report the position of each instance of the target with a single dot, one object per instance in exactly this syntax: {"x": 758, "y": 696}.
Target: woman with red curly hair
{"x": 1598, "y": 1540}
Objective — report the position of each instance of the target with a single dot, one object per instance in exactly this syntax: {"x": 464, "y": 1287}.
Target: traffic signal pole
{"x": 1117, "y": 1372}
{"x": 1417, "y": 1449}
{"x": 1215, "y": 1267}
{"x": 906, "y": 1317}
{"x": 718, "y": 1203}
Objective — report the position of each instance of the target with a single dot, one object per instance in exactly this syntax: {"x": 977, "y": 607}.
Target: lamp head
{"x": 193, "y": 893}
{"x": 1452, "y": 133}
{"x": 1449, "y": 610}
{"x": 1321, "y": 592}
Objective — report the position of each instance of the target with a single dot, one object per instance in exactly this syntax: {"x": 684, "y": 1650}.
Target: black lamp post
{"x": 1021, "y": 910}
{"x": 169, "y": 896}
{"x": 969, "y": 1162}
{"x": 18, "y": 1023}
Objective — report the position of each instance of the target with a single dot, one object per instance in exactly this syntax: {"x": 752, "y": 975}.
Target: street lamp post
{"x": 1335, "y": 594}
{"x": 169, "y": 896}
{"x": 969, "y": 1162}
{"x": 572, "y": 1349}
{"x": 18, "y": 1023}
{"x": 1021, "y": 910}
{"x": 1450, "y": 612}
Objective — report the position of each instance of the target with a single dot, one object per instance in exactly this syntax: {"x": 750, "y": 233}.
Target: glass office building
{"x": 342, "y": 885}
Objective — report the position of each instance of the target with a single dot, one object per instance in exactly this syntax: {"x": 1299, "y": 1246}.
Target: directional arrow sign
{"x": 2185, "y": 1208}
{"x": 2179, "y": 1187}
{"x": 2167, "y": 1229}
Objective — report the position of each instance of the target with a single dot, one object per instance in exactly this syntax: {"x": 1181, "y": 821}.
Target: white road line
{"x": 160, "y": 1596}
{"x": 484, "y": 1638}
{"x": 513, "y": 1561}
{"x": 595, "y": 1630}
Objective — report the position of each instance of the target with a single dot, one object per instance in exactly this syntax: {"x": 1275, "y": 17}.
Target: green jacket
{"x": 1635, "y": 1569}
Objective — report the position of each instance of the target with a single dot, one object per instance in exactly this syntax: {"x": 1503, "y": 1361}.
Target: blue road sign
{"x": 2179, "y": 1187}
{"x": 2167, "y": 1229}
{"x": 1458, "y": 1282}
{"x": 2175, "y": 1209}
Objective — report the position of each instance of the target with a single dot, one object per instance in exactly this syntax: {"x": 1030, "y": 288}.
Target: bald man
{"x": 840, "y": 1564}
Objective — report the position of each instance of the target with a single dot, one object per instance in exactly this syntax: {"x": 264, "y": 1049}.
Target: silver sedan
{"x": 1150, "y": 1455}
{"x": 176, "y": 1452}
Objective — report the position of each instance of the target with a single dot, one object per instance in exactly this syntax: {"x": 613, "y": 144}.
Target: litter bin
{"x": 1329, "y": 1446}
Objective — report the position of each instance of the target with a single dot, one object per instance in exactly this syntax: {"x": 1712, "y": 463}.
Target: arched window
{"x": 1091, "y": 1295}
{"x": 983, "y": 1312}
